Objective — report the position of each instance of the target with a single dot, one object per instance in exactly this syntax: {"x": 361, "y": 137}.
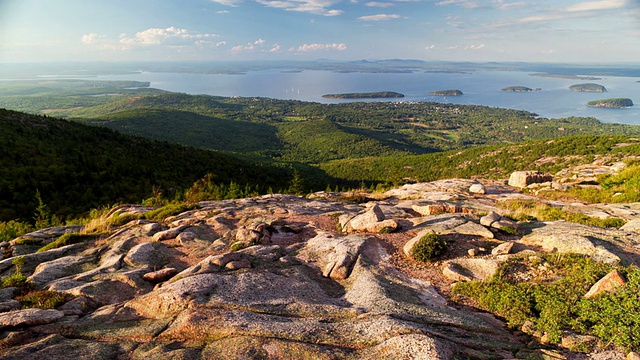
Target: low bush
{"x": 428, "y": 247}
{"x": 12, "y": 229}
{"x": 555, "y": 303}
{"x": 41, "y": 299}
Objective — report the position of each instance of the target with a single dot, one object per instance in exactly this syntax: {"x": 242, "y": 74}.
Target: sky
{"x": 583, "y": 31}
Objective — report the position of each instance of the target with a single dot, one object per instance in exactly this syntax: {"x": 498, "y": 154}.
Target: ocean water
{"x": 555, "y": 100}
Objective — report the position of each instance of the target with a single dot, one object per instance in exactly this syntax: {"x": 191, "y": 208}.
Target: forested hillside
{"x": 76, "y": 167}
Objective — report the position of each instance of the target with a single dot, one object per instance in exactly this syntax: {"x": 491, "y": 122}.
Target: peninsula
{"x": 371, "y": 95}
{"x": 588, "y": 87}
{"x": 519, "y": 89}
{"x": 446, "y": 93}
{"x": 617, "y": 103}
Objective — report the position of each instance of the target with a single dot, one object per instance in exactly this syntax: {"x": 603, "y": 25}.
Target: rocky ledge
{"x": 310, "y": 278}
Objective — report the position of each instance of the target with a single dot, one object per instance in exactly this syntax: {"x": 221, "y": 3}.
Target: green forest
{"x": 125, "y": 142}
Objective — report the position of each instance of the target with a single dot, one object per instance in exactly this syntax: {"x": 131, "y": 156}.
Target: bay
{"x": 554, "y": 100}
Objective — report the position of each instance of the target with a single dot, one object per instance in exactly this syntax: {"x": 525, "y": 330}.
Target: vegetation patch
{"x": 548, "y": 290}
{"x": 41, "y": 299}
{"x": 429, "y": 247}
{"x": 527, "y": 210}
{"x": 12, "y": 229}
{"x": 66, "y": 239}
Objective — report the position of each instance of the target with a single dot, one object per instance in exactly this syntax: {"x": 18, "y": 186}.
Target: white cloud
{"x": 91, "y": 38}
{"x": 474, "y": 47}
{"x": 259, "y": 42}
{"x": 379, "y": 17}
{"x": 157, "y": 36}
{"x": 316, "y": 47}
{"x": 319, "y": 7}
{"x": 223, "y": 12}
{"x": 512, "y": 6}
{"x": 227, "y": 2}
{"x": 467, "y": 4}
{"x": 275, "y": 48}
{"x": 242, "y": 48}
{"x": 221, "y": 43}
{"x": 598, "y": 5}
{"x": 430, "y": 47}
{"x": 380, "y": 4}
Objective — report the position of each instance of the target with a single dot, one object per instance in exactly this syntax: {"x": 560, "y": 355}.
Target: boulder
{"x": 477, "y": 189}
{"x": 238, "y": 264}
{"x": 631, "y": 226}
{"x": 490, "y": 218}
{"x": 572, "y": 238}
{"x": 363, "y": 222}
{"x": 152, "y": 255}
{"x": 470, "y": 269}
{"x": 608, "y": 283}
{"x": 502, "y": 249}
{"x": 29, "y": 317}
{"x": 521, "y": 179}
{"x": 169, "y": 234}
{"x": 471, "y": 228}
{"x": 160, "y": 275}
{"x": 59, "y": 268}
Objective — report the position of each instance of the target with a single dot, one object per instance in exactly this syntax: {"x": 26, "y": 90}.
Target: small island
{"x": 519, "y": 89}
{"x": 372, "y": 95}
{"x": 588, "y": 87}
{"x": 617, "y": 103}
{"x": 446, "y": 93}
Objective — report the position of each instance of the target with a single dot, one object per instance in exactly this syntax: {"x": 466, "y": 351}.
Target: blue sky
{"x": 591, "y": 31}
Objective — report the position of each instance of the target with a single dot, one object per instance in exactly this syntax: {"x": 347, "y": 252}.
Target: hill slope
{"x": 76, "y": 167}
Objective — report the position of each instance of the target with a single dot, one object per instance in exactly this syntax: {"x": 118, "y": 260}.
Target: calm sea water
{"x": 555, "y": 100}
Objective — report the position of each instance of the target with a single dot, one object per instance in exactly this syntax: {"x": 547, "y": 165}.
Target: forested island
{"x": 371, "y": 95}
{"x": 519, "y": 89}
{"x": 566, "y": 76}
{"x": 446, "y": 93}
{"x": 588, "y": 87}
{"x": 617, "y": 103}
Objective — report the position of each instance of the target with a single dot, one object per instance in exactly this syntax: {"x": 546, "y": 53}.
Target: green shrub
{"x": 556, "y": 304}
{"x": 12, "y": 229}
{"x": 237, "y": 246}
{"x": 41, "y": 299}
{"x": 164, "y": 212}
{"x": 428, "y": 247}
{"x": 66, "y": 239}
{"x": 17, "y": 279}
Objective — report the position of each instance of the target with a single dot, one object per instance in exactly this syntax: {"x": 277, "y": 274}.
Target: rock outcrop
{"x": 522, "y": 179}
{"x": 310, "y": 278}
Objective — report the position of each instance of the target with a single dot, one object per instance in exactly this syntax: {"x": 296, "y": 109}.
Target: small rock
{"x": 489, "y": 219}
{"x": 528, "y": 327}
{"x": 169, "y": 234}
{"x": 469, "y": 269}
{"x": 608, "y": 283}
{"x": 222, "y": 260}
{"x": 160, "y": 275}
{"x": 477, "y": 189}
{"x": 571, "y": 341}
{"x": 151, "y": 228}
{"x": 29, "y": 317}
{"x": 472, "y": 252}
{"x": 471, "y": 228}
{"x": 502, "y": 249}
{"x": 504, "y": 223}
{"x": 633, "y": 356}
{"x": 238, "y": 264}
